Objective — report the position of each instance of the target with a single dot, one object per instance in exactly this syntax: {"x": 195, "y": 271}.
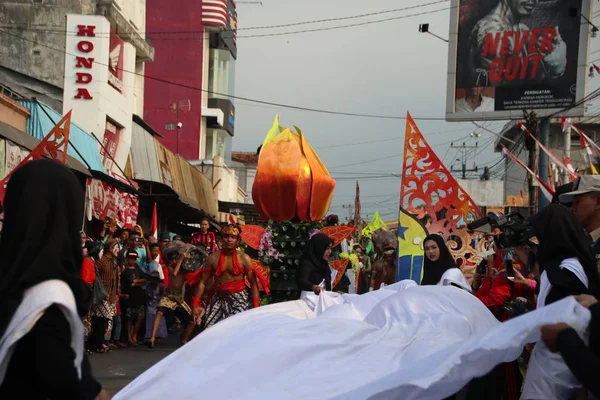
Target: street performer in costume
{"x": 228, "y": 295}
{"x": 172, "y": 301}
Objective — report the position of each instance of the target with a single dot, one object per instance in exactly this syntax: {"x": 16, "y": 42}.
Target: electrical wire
{"x": 204, "y": 35}
{"x": 280, "y": 105}
{"x": 106, "y": 34}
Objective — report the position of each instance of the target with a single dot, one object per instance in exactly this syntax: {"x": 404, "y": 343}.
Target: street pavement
{"x": 116, "y": 369}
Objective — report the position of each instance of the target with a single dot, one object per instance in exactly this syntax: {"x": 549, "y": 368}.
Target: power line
{"x": 280, "y": 105}
{"x": 107, "y": 34}
{"x": 346, "y": 26}
{"x": 394, "y": 155}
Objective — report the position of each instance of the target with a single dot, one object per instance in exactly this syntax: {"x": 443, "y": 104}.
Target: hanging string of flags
{"x": 555, "y": 159}
{"x": 545, "y": 188}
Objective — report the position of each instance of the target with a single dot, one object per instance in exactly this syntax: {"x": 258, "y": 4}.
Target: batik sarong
{"x": 172, "y": 303}
{"x": 104, "y": 309}
{"x": 226, "y": 300}
{"x": 173, "y": 299}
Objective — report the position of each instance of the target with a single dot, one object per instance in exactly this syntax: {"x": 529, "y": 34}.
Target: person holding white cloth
{"x": 314, "y": 274}
{"x": 567, "y": 267}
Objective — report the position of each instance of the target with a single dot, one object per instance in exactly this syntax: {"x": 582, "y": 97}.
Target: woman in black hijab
{"x": 561, "y": 237}
{"x": 437, "y": 260}
{"x": 40, "y": 243}
{"x": 567, "y": 267}
{"x": 314, "y": 267}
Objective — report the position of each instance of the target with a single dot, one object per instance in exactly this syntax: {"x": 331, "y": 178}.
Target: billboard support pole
{"x": 544, "y": 138}
{"x": 531, "y": 123}
{"x": 567, "y": 140}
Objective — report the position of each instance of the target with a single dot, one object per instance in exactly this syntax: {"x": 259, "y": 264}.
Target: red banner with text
{"x": 105, "y": 201}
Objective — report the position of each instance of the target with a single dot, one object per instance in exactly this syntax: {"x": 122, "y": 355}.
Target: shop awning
{"x": 29, "y": 142}
{"x": 82, "y": 146}
{"x": 169, "y": 177}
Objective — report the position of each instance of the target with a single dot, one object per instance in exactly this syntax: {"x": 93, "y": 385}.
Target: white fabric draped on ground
{"x": 404, "y": 341}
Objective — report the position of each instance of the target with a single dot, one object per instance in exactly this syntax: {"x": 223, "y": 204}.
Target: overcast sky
{"x": 385, "y": 68}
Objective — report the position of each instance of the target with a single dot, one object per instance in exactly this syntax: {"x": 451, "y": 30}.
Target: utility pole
{"x": 544, "y": 138}
{"x": 464, "y": 152}
{"x": 350, "y": 211}
{"x": 531, "y": 123}
{"x": 567, "y": 133}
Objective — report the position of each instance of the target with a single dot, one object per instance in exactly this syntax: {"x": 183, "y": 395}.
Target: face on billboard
{"x": 513, "y": 55}
{"x": 522, "y": 8}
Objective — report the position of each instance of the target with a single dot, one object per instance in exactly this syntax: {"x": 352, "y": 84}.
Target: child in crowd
{"x": 132, "y": 283}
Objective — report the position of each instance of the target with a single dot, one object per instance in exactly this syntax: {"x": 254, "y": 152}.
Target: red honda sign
{"x": 115, "y": 62}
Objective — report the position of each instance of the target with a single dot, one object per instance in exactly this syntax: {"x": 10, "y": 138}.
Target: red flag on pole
{"x": 154, "y": 223}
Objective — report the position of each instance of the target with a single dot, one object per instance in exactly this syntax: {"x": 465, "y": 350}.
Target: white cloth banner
{"x": 402, "y": 342}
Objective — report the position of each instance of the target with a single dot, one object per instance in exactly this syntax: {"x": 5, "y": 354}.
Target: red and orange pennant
{"x": 54, "y": 147}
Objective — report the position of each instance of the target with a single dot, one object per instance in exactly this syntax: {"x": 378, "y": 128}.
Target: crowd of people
{"x": 144, "y": 287}
{"x": 128, "y": 288}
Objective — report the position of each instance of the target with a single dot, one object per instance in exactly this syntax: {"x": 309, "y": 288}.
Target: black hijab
{"x": 313, "y": 254}
{"x": 433, "y": 270}
{"x": 40, "y": 238}
{"x": 562, "y": 236}
{"x": 317, "y": 245}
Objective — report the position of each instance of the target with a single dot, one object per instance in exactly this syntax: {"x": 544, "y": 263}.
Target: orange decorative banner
{"x": 251, "y": 235}
{"x": 337, "y": 233}
{"x": 340, "y": 266}
{"x": 430, "y": 194}
{"x": 53, "y": 146}
{"x": 261, "y": 269}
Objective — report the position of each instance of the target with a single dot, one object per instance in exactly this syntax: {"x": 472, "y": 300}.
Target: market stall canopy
{"x": 82, "y": 146}
{"x": 29, "y": 142}
{"x": 162, "y": 172}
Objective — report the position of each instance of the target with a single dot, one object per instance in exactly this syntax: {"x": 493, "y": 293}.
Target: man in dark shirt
{"x": 132, "y": 287}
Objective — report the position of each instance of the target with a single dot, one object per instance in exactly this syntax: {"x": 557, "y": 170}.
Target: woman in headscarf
{"x": 42, "y": 295}
{"x": 567, "y": 267}
{"x": 314, "y": 274}
{"x": 437, "y": 260}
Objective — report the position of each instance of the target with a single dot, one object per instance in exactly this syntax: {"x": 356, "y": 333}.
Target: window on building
{"x": 170, "y": 127}
{"x": 221, "y": 74}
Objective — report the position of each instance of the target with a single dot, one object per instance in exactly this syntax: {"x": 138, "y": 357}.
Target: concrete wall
{"x": 32, "y": 54}
{"x": 37, "y": 47}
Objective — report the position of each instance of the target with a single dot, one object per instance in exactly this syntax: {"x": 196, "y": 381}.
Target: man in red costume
{"x": 228, "y": 295}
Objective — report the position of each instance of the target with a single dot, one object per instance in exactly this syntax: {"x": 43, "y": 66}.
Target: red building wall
{"x": 175, "y": 32}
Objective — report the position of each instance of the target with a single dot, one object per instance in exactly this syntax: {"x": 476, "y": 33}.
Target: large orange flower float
{"x": 291, "y": 181}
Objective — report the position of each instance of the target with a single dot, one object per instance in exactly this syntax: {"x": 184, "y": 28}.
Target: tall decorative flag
{"x": 432, "y": 200}
{"x": 357, "y": 210}
{"x": 54, "y": 147}
{"x": 154, "y": 223}
{"x": 587, "y": 155}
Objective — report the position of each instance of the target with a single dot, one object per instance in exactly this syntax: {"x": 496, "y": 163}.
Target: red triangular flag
{"x": 431, "y": 194}
{"x": 154, "y": 223}
{"x": 54, "y": 147}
